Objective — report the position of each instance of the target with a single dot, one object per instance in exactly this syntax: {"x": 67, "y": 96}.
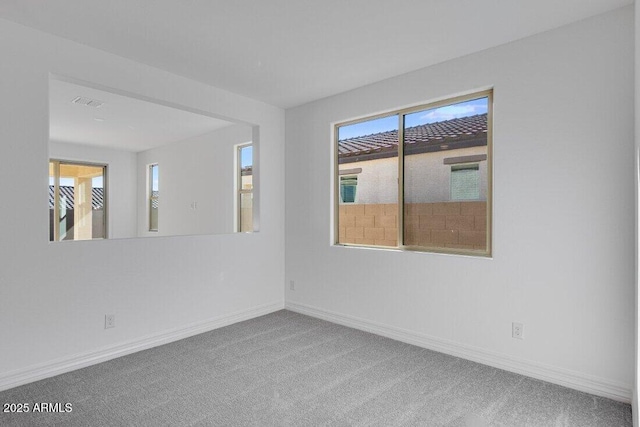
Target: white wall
{"x": 563, "y": 183}
{"x": 200, "y": 169}
{"x": 121, "y": 182}
{"x": 636, "y": 383}
{"x": 53, "y": 297}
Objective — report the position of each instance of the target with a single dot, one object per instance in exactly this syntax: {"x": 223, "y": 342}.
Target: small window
{"x": 244, "y": 184}
{"x": 154, "y": 193}
{"x": 348, "y": 185}
{"x": 77, "y": 201}
{"x": 465, "y": 182}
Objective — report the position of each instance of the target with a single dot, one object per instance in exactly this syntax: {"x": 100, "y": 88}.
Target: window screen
{"x": 465, "y": 182}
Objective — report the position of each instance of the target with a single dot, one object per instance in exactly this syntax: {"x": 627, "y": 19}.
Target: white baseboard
{"x": 77, "y": 361}
{"x": 560, "y": 376}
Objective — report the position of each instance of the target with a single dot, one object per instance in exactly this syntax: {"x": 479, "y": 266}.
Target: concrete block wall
{"x": 458, "y": 225}
{"x": 369, "y": 224}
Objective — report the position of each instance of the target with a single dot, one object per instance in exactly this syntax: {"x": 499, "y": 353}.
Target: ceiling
{"x": 289, "y": 52}
{"x": 121, "y": 122}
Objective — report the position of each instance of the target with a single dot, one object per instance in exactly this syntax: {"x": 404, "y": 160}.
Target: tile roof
{"x": 445, "y": 135}
{"x": 67, "y": 191}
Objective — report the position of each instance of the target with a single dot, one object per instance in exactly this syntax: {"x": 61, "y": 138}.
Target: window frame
{"x": 56, "y": 196}
{"x": 401, "y": 113}
{"x": 239, "y": 190}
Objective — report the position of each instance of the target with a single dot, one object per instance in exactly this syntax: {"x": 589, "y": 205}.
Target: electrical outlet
{"x": 517, "y": 330}
{"x": 109, "y": 321}
{"x": 292, "y": 285}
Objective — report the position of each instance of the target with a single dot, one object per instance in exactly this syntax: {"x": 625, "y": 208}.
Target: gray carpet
{"x": 286, "y": 369}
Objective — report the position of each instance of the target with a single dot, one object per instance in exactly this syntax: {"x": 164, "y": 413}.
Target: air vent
{"x": 88, "y": 102}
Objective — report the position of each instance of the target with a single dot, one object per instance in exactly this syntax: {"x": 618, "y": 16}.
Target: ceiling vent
{"x": 87, "y": 102}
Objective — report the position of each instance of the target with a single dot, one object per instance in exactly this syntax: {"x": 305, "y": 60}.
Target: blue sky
{"x": 383, "y": 124}
{"x": 462, "y": 109}
{"x": 154, "y": 178}
{"x": 246, "y": 158}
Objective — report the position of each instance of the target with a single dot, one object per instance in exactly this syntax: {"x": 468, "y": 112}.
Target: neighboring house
{"x": 247, "y": 178}
{"x": 246, "y": 199}
{"x": 451, "y": 156}
{"x": 443, "y": 162}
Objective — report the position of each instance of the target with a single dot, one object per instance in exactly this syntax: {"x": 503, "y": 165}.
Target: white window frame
{"x": 56, "y": 195}
{"x": 239, "y": 191}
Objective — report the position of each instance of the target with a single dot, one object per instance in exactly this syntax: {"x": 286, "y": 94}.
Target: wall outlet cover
{"x": 109, "y": 321}
{"x": 517, "y": 330}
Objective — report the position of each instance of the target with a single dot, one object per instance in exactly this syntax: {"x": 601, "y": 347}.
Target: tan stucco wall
{"x": 427, "y": 178}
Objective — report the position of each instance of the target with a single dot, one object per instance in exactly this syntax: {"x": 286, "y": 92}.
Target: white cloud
{"x": 451, "y": 112}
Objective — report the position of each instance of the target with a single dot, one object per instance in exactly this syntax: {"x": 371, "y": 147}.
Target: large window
{"x": 244, "y": 190}
{"x": 77, "y": 201}
{"x": 423, "y": 179}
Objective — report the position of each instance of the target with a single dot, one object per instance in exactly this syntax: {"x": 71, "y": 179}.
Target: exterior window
{"x": 424, "y": 178}
{"x": 244, "y": 180}
{"x": 77, "y": 201}
{"x": 154, "y": 193}
{"x": 368, "y": 150}
{"x": 348, "y": 188}
{"x": 465, "y": 182}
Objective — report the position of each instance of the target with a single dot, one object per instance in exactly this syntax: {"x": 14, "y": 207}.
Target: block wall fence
{"x": 458, "y": 225}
